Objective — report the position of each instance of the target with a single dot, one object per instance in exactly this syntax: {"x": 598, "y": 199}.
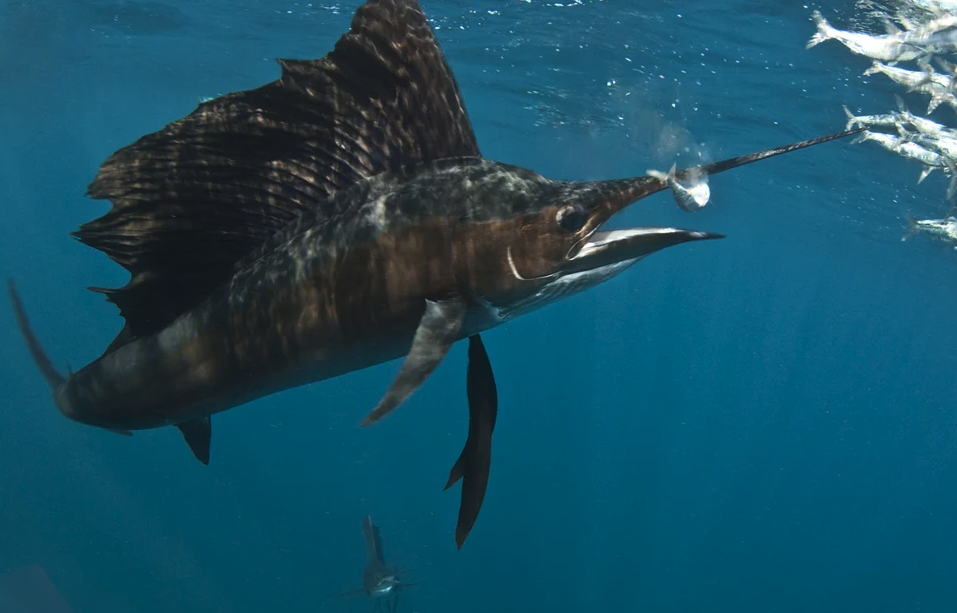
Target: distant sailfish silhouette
{"x": 378, "y": 580}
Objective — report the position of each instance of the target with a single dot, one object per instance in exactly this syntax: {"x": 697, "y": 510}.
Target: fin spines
{"x": 194, "y": 198}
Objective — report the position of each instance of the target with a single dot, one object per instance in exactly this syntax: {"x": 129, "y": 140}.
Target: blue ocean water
{"x": 763, "y": 423}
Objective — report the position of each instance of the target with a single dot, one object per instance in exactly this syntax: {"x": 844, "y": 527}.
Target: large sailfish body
{"x": 323, "y": 297}
{"x": 339, "y": 217}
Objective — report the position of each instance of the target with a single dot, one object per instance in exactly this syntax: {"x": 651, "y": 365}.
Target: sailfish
{"x": 339, "y": 217}
{"x": 379, "y": 580}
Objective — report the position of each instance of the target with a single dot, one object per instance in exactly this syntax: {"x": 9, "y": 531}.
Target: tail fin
{"x": 860, "y": 138}
{"x": 475, "y": 461}
{"x": 927, "y": 76}
{"x": 935, "y": 99}
{"x": 874, "y": 69}
{"x": 851, "y": 119}
{"x": 672, "y": 171}
{"x": 911, "y": 226}
{"x": 667, "y": 177}
{"x": 901, "y": 105}
{"x": 823, "y": 30}
{"x": 923, "y": 174}
{"x": 951, "y": 70}
{"x": 905, "y": 135}
{"x": 952, "y": 169}
{"x": 40, "y": 358}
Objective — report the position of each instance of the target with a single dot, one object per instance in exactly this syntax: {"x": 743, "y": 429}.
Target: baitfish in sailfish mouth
{"x": 337, "y": 218}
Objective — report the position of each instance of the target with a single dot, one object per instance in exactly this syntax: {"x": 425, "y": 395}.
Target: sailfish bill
{"x": 339, "y": 217}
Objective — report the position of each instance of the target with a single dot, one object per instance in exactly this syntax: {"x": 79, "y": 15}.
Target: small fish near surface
{"x": 907, "y": 147}
{"x": 939, "y": 87}
{"x": 920, "y": 42}
{"x": 337, "y": 218}
{"x": 889, "y": 47}
{"x": 944, "y": 230}
{"x": 870, "y": 121}
{"x": 921, "y": 124}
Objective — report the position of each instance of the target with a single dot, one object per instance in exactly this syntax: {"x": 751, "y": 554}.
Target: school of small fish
{"x": 927, "y": 37}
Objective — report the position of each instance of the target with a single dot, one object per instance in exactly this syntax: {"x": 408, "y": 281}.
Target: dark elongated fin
{"x": 912, "y": 227}
{"x": 472, "y": 376}
{"x": 198, "y": 433}
{"x": 373, "y": 537}
{"x": 53, "y": 377}
{"x": 475, "y": 461}
{"x": 433, "y": 338}
{"x": 193, "y": 198}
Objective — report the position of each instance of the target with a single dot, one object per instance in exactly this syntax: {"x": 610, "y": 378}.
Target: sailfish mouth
{"x": 606, "y": 248}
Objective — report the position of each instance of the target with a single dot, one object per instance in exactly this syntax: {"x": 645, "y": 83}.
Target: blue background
{"x": 763, "y": 423}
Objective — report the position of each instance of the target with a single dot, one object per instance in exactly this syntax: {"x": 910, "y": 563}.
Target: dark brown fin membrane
{"x": 192, "y": 199}
{"x": 434, "y": 337}
{"x": 475, "y": 461}
{"x": 198, "y": 434}
{"x": 373, "y": 538}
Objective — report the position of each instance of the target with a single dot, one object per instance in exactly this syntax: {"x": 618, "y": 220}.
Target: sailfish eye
{"x": 572, "y": 217}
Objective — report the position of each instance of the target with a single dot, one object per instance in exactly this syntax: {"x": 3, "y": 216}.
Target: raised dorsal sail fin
{"x": 191, "y": 199}
{"x": 373, "y": 537}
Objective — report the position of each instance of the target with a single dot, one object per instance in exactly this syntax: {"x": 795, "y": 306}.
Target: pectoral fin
{"x": 437, "y": 331}
{"x": 474, "y": 462}
{"x": 198, "y": 433}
